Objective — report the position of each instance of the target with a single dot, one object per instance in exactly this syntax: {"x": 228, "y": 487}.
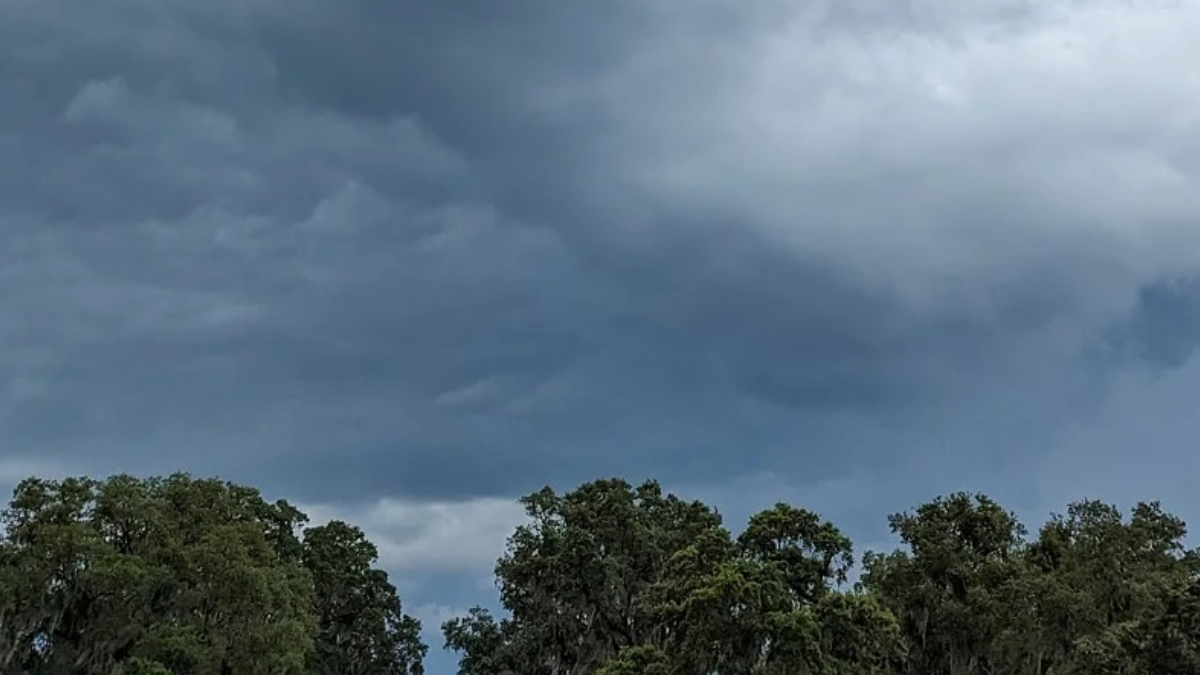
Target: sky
{"x": 403, "y": 261}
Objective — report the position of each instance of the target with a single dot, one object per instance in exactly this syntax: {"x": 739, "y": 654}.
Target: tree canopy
{"x": 184, "y": 576}
{"x": 615, "y": 579}
{"x": 180, "y": 576}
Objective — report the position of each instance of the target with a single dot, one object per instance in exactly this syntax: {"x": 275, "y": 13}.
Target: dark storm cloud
{"x": 850, "y": 254}
{"x": 346, "y": 249}
{"x": 1163, "y": 327}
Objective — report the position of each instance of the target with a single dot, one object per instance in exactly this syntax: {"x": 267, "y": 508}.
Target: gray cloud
{"x": 1163, "y": 327}
{"x": 443, "y": 250}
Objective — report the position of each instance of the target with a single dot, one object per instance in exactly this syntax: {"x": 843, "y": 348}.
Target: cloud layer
{"x": 401, "y": 260}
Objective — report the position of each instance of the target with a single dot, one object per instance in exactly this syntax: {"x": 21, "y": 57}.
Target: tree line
{"x": 185, "y": 576}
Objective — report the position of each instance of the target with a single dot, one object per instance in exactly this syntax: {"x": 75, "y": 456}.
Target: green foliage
{"x": 183, "y": 576}
{"x": 362, "y": 630}
{"x": 489, "y": 647}
{"x": 572, "y": 576}
{"x": 179, "y": 576}
{"x": 639, "y": 660}
{"x": 615, "y": 580}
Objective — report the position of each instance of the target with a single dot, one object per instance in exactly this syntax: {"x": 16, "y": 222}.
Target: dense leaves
{"x": 621, "y": 580}
{"x": 613, "y": 578}
{"x": 178, "y": 576}
{"x": 183, "y": 576}
{"x": 362, "y": 628}
{"x": 573, "y": 576}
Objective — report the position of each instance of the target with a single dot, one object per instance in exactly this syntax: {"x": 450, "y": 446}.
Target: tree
{"x": 767, "y": 603}
{"x": 1093, "y": 594}
{"x": 615, "y": 579}
{"x": 178, "y": 576}
{"x": 640, "y": 660}
{"x": 362, "y": 630}
{"x": 490, "y": 647}
{"x": 859, "y": 636}
{"x": 189, "y": 577}
{"x": 722, "y": 612}
{"x": 1110, "y": 590}
{"x": 176, "y": 572}
{"x": 1172, "y": 641}
{"x": 572, "y": 576}
{"x": 949, "y": 589}
{"x": 810, "y": 554}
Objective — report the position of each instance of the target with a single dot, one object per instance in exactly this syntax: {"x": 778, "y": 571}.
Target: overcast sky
{"x": 402, "y": 261}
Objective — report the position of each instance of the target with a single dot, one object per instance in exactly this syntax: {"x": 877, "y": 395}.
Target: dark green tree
{"x": 189, "y": 577}
{"x": 362, "y": 628}
{"x": 572, "y": 576}
{"x": 615, "y": 579}
{"x": 490, "y": 647}
{"x": 950, "y": 587}
{"x": 122, "y": 574}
